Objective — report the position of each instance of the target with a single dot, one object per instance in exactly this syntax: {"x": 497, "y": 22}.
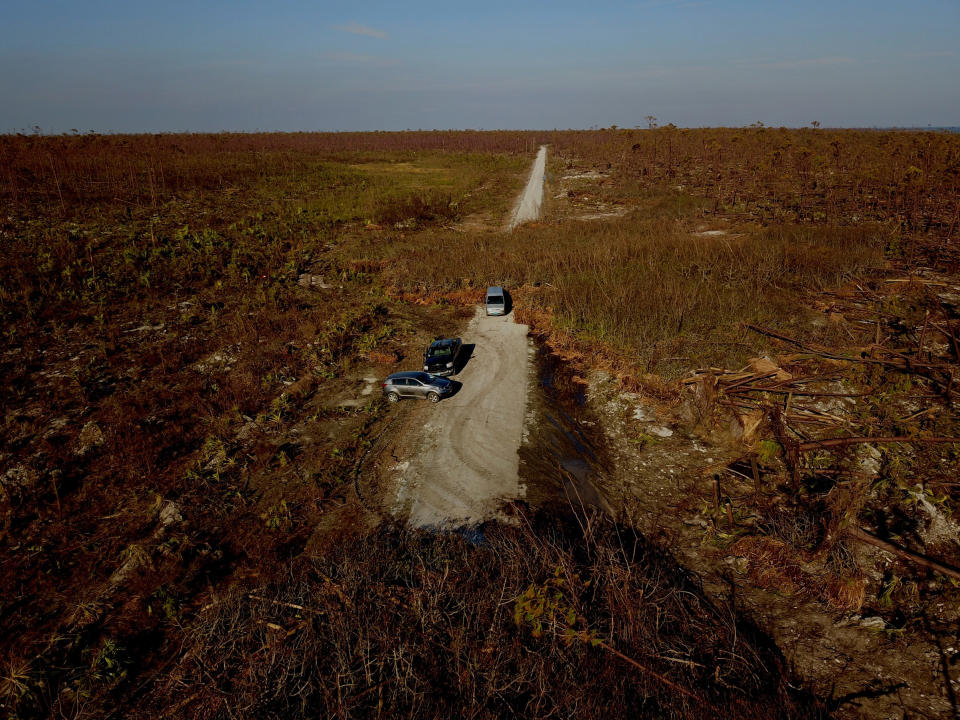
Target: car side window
{"x": 400, "y": 381}
{"x": 414, "y": 382}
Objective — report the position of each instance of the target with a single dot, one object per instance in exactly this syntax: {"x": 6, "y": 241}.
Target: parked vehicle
{"x": 496, "y": 301}
{"x": 416, "y": 384}
{"x": 441, "y": 357}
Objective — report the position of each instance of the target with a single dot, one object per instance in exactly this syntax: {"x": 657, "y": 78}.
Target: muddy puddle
{"x": 563, "y": 458}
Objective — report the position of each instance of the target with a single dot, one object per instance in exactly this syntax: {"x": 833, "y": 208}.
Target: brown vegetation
{"x": 528, "y": 621}
{"x": 172, "y": 447}
{"x": 840, "y": 177}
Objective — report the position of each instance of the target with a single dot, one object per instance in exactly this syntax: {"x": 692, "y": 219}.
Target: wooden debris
{"x": 916, "y": 558}
{"x": 843, "y": 442}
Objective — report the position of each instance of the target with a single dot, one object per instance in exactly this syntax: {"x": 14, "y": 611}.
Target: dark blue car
{"x": 441, "y": 357}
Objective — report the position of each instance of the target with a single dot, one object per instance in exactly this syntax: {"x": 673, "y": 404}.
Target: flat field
{"x": 195, "y": 327}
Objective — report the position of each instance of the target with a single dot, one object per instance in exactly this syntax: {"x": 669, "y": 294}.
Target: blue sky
{"x": 155, "y": 66}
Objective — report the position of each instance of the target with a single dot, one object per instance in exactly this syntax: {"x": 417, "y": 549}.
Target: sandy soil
{"x": 528, "y": 207}
{"x": 464, "y": 464}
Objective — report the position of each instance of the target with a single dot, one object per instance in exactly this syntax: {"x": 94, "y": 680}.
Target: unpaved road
{"x": 528, "y": 207}
{"x": 465, "y": 464}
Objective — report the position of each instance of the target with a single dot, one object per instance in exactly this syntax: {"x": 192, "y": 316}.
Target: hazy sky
{"x": 167, "y": 65}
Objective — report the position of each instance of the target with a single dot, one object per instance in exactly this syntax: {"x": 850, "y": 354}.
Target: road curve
{"x": 465, "y": 463}
{"x": 528, "y": 206}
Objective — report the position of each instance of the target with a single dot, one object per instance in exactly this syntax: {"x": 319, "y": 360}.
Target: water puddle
{"x": 563, "y": 459}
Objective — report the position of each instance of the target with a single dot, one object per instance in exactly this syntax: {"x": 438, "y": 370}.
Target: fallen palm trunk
{"x": 916, "y": 558}
{"x": 843, "y": 442}
{"x": 789, "y": 391}
{"x": 899, "y": 360}
{"x": 657, "y": 676}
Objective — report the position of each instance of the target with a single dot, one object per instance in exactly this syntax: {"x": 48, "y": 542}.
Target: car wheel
{"x": 392, "y": 397}
{"x": 433, "y": 397}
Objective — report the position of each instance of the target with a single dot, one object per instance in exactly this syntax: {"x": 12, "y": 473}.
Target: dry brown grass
{"x": 407, "y": 623}
{"x": 129, "y": 262}
{"x": 658, "y": 298}
{"x": 78, "y": 173}
{"x": 839, "y": 177}
{"x": 779, "y": 566}
{"x": 171, "y": 327}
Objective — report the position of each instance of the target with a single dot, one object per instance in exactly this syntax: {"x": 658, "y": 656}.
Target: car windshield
{"x": 423, "y": 377}
{"x": 494, "y": 299}
{"x": 440, "y": 351}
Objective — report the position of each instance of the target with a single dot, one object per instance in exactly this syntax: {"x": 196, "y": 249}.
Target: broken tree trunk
{"x": 916, "y": 558}
{"x": 843, "y": 442}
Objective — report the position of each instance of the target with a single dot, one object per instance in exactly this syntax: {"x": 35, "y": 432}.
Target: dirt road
{"x": 528, "y": 207}
{"x": 465, "y": 462}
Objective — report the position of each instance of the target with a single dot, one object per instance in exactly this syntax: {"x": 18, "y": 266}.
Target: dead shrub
{"x": 416, "y": 210}
{"x": 366, "y": 266}
{"x": 384, "y": 357}
{"x": 464, "y": 297}
{"x": 776, "y": 565}
{"x": 846, "y": 593}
